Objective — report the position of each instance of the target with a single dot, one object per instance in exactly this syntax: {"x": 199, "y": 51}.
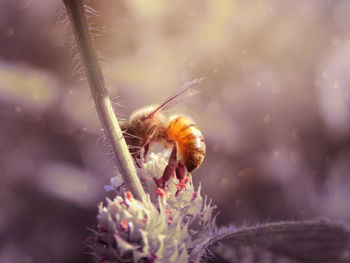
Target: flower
{"x": 116, "y": 184}
{"x": 162, "y": 228}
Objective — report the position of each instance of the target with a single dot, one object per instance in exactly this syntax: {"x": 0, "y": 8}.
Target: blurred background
{"x": 274, "y": 110}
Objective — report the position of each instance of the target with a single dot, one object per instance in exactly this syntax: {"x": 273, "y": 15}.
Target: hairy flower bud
{"x": 161, "y": 230}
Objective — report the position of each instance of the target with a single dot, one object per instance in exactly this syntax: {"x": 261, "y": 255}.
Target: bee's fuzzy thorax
{"x": 141, "y": 112}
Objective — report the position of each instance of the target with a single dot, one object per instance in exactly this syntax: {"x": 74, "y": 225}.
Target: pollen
{"x": 195, "y": 195}
{"x": 144, "y": 219}
{"x": 129, "y": 195}
{"x": 161, "y": 192}
{"x": 124, "y": 225}
{"x": 182, "y": 184}
{"x": 170, "y": 218}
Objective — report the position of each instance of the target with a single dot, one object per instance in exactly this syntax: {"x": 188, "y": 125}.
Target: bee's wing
{"x": 185, "y": 91}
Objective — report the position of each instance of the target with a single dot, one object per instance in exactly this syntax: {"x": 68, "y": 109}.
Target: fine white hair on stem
{"x": 95, "y": 31}
{"x": 76, "y": 13}
{"x": 91, "y": 11}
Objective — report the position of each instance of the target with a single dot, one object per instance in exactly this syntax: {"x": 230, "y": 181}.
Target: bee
{"x": 150, "y": 125}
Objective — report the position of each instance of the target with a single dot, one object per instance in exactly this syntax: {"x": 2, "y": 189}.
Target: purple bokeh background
{"x": 274, "y": 110}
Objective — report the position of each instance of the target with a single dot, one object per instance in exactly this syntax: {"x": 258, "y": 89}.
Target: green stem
{"x": 103, "y": 104}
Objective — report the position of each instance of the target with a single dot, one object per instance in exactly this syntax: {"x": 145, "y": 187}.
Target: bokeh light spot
{"x": 9, "y": 31}
{"x": 276, "y": 154}
{"x": 335, "y": 41}
{"x": 245, "y": 172}
{"x": 267, "y": 118}
{"x": 325, "y": 74}
{"x": 18, "y": 109}
{"x": 20, "y": 84}
{"x": 216, "y": 148}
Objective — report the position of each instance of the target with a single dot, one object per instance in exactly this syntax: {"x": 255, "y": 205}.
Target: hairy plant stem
{"x": 102, "y": 101}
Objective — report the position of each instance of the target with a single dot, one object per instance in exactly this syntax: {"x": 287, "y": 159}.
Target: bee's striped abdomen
{"x": 189, "y": 139}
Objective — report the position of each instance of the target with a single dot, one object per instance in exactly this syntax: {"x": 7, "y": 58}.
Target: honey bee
{"x": 150, "y": 125}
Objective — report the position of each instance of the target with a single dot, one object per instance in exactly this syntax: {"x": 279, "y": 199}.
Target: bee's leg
{"x": 181, "y": 185}
{"x": 169, "y": 169}
{"x": 180, "y": 171}
{"x": 137, "y": 157}
{"x": 171, "y": 166}
{"x": 152, "y": 131}
{"x": 181, "y": 176}
{"x": 146, "y": 149}
{"x": 158, "y": 182}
